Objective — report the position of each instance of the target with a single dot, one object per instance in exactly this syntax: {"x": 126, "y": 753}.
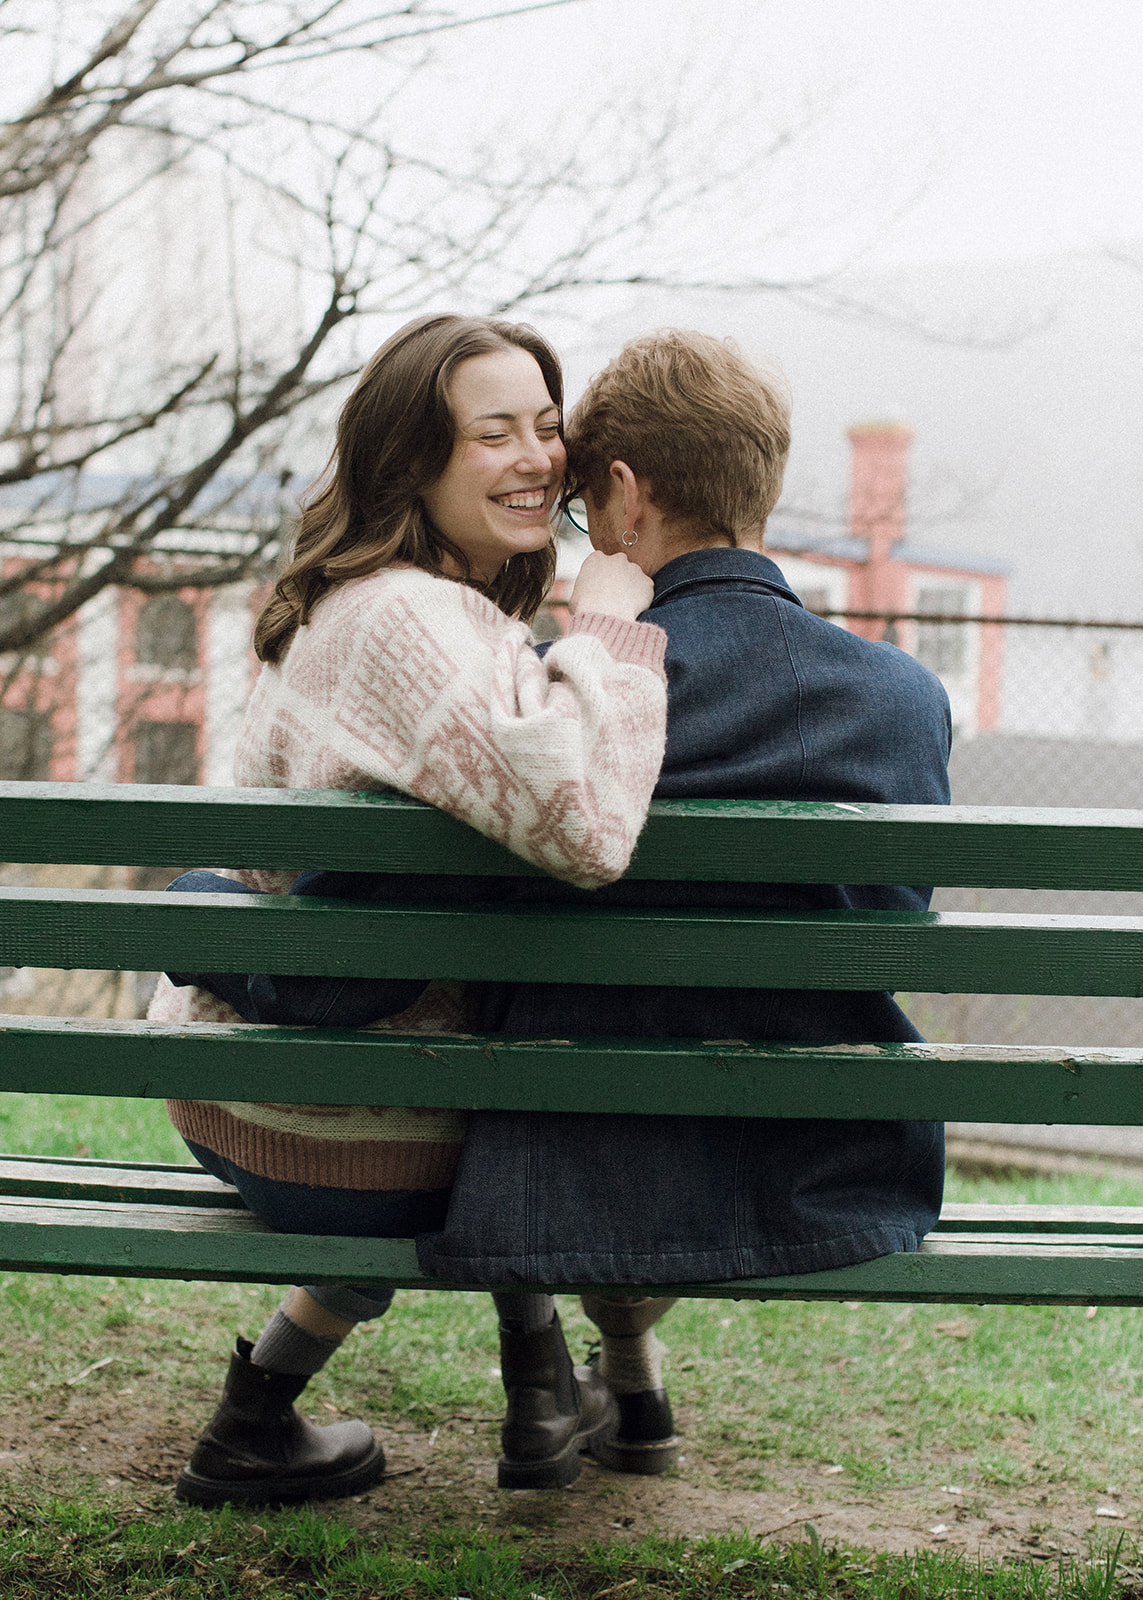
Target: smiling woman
{"x": 397, "y": 655}
{"x": 495, "y": 498}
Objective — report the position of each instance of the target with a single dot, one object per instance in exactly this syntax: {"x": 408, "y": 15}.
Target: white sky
{"x": 974, "y": 158}
{"x": 970, "y": 160}
{"x": 1022, "y": 118}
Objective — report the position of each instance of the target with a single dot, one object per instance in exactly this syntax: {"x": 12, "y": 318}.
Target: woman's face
{"x": 495, "y": 498}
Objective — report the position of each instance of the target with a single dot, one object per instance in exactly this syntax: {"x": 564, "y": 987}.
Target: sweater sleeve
{"x": 437, "y": 693}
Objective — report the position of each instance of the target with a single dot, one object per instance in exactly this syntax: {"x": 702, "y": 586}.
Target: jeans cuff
{"x": 355, "y": 1302}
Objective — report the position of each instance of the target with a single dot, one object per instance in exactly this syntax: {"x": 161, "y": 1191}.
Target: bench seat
{"x": 133, "y": 1220}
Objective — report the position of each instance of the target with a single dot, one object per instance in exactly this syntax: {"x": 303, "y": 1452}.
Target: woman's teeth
{"x": 532, "y": 501}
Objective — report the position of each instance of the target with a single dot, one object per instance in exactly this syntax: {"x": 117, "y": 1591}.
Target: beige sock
{"x": 632, "y": 1363}
{"x": 631, "y": 1353}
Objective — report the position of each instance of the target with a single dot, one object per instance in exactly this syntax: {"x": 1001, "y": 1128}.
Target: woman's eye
{"x": 492, "y": 438}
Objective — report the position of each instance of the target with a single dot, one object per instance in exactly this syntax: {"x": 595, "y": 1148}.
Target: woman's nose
{"x": 535, "y": 455}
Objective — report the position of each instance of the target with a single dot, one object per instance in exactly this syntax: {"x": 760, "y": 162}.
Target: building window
{"x": 166, "y": 634}
{"x": 166, "y": 752}
{"x": 25, "y": 745}
{"x": 943, "y": 646}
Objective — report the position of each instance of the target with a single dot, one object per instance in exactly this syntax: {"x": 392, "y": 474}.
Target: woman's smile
{"x": 523, "y": 500}
{"x": 494, "y": 499}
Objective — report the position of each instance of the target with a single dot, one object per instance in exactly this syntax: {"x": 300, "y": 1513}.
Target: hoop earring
{"x": 634, "y": 539}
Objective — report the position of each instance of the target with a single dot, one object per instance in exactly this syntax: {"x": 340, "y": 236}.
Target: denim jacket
{"x": 765, "y": 700}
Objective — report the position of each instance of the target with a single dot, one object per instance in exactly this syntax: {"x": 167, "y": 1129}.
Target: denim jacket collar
{"x": 720, "y": 565}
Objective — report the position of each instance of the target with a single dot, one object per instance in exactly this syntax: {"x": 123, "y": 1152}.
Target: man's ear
{"x": 635, "y": 494}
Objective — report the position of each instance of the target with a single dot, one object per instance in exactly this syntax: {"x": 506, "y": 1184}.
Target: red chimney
{"x": 877, "y": 513}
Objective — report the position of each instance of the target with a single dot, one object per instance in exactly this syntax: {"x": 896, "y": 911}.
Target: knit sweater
{"x": 412, "y": 682}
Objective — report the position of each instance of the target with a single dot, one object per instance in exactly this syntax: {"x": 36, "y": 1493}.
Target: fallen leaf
{"x": 829, "y": 1472}
{"x": 951, "y": 1488}
{"x": 955, "y": 1330}
{"x": 1108, "y": 1511}
{"x": 1092, "y": 1311}
{"x": 939, "y": 1529}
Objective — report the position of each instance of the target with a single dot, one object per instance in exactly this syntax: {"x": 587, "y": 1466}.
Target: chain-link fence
{"x": 1046, "y": 713}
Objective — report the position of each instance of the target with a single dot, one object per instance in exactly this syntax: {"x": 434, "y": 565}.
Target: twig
{"x": 87, "y": 1371}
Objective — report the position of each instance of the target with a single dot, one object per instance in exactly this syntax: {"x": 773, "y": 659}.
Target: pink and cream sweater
{"x": 411, "y": 682}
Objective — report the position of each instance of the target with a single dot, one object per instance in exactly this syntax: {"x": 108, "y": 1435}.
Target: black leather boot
{"x": 555, "y": 1410}
{"x": 644, "y": 1440}
{"x": 257, "y": 1449}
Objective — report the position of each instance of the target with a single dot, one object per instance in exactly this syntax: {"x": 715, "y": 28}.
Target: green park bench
{"x": 132, "y": 1219}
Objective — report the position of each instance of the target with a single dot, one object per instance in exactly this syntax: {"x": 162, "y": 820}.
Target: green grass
{"x": 997, "y": 1400}
{"x": 88, "y": 1125}
{"x": 89, "y": 1553}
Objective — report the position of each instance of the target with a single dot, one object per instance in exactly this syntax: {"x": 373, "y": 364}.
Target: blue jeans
{"x": 304, "y": 1208}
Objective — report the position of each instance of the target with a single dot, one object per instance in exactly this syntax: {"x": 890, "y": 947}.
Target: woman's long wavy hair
{"x": 394, "y": 438}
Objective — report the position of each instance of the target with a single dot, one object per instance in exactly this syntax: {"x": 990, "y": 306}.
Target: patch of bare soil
{"x": 128, "y": 1449}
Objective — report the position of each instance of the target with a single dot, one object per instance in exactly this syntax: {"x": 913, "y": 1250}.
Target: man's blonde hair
{"x": 708, "y": 431}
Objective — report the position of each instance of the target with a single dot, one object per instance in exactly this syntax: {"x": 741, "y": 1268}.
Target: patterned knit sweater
{"x": 407, "y": 681}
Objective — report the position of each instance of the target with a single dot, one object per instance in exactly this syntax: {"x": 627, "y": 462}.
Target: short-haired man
{"x": 678, "y": 448}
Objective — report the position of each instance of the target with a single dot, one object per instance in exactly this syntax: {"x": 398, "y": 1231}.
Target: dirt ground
{"x": 130, "y": 1447}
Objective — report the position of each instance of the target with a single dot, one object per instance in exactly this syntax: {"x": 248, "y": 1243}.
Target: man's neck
{"x": 670, "y": 542}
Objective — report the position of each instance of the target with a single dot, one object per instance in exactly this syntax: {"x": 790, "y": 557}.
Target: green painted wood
{"x": 208, "y": 1242}
{"x": 108, "y": 1181}
{"x": 215, "y": 1244}
{"x": 971, "y": 1216}
{"x": 962, "y": 1083}
{"x": 135, "y": 1184}
{"x": 957, "y": 952}
{"x": 736, "y": 841}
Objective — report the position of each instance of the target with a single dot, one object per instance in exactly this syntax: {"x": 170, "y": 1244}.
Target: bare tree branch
{"x": 199, "y": 242}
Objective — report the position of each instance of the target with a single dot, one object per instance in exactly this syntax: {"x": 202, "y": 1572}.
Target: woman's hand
{"x": 611, "y": 585}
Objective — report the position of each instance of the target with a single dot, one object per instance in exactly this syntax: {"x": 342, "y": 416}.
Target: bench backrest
{"x": 684, "y": 841}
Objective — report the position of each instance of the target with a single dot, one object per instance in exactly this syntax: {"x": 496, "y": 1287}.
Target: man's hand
{"x": 611, "y": 585}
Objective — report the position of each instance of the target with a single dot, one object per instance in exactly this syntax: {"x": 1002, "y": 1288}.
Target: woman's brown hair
{"x": 394, "y": 438}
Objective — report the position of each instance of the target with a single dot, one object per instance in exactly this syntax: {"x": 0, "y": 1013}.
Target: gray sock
{"x": 524, "y": 1313}
{"x": 286, "y": 1348}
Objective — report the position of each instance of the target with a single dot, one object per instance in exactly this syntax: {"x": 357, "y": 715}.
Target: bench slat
{"x": 952, "y": 952}
{"x": 108, "y": 1181}
{"x": 135, "y": 1184}
{"x": 146, "y": 1060}
{"x": 670, "y": 1077}
{"x": 222, "y": 1245}
{"x": 968, "y": 1215}
{"x": 728, "y": 840}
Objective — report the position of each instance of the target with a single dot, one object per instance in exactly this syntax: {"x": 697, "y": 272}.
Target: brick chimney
{"x": 877, "y": 514}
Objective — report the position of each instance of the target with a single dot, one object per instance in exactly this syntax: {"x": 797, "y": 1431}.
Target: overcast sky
{"x": 969, "y": 165}
{"x": 942, "y": 138}
{"x": 1021, "y": 121}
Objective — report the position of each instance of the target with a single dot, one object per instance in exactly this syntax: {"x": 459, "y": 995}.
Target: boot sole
{"x": 554, "y": 1472}
{"x": 626, "y": 1455}
{"x": 201, "y": 1491}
